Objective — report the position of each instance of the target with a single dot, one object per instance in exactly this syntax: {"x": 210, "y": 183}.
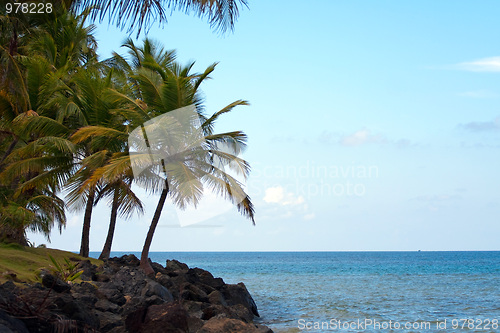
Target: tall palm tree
{"x": 124, "y": 201}
{"x": 35, "y": 157}
{"x": 163, "y": 87}
{"x": 89, "y": 102}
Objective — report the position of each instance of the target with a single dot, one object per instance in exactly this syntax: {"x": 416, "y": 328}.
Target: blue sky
{"x": 373, "y": 125}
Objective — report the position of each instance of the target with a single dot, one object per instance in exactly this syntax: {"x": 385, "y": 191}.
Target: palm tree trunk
{"x": 9, "y": 150}
{"x": 111, "y": 231}
{"x": 149, "y": 238}
{"x": 84, "y": 248}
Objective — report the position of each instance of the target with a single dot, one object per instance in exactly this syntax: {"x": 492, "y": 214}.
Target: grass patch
{"x": 26, "y": 262}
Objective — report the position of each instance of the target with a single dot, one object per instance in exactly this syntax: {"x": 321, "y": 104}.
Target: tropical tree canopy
{"x": 68, "y": 122}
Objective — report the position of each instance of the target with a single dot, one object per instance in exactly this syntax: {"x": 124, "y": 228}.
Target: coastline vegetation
{"x": 65, "y": 119}
{"x": 24, "y": 263}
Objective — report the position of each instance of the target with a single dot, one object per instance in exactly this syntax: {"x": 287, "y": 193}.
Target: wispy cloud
{"x": 361, "y": 137}
{"x": 478, "y": 94}
{"x": 491, "y": 64}
{"x": 437, "y": 202}
{"x": 483, "y": 126}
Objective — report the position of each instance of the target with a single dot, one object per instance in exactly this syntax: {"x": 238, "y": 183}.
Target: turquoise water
{"x": 295, "y": 291}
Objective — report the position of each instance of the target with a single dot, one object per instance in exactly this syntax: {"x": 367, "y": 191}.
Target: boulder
{"x": 135, "y": 319}
{"x": 85, "y": 293}
{"x": 104, "y": 305}
{"x": 174, "y": 265}
{"x": 74, "y": 310}
{"x": 112, "y": 294}
{"x": 53, "y": 282}
{"x": 234, "y": 312}
{"x": 109, "y": 321}
{"x": 238, "y": 294}
{"x": 168, "y": 318}
{"x": 195, "y": 309}
{"x": 153, "y": 288}
{"x": 206, "y": 278}
{"x": 227, "y": 325}
{"x": 216, "y": 298}
{"x": 191, "y": 292}
{"x": 158, "y": 268}
{"x": 10, "y": 324}
{"x": 89, "y": 270}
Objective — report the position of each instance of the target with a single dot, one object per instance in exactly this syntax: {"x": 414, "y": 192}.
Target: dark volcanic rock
{"x": 192, "y": 293}
{"x": 120, "y": 298}
{"x": 56, "y": 284}
{"x": 168, "y": 318}
{"x": 153, "y": 288}
{"x": 238, "y": 294}
{"x": 10, "y": 324}
{"x": 88, "y": 270}
{"x": 112, "y": 294}
{"x": 220, "y": 325}
{"x": 74, "y": 310}
{"x": 174, "y": 265}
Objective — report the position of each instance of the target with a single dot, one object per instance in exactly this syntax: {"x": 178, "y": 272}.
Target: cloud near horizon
{"x": 483, "y": 126}
{"x": 361, "y": 137}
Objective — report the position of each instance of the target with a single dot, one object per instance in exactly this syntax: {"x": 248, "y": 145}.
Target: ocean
{"x": 362, "y": 291}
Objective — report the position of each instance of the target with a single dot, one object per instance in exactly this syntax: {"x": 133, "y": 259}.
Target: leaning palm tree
{"x": 175, "y": 157}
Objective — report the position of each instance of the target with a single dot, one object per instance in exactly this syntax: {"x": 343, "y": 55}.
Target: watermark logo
{"x": 310, "y": 180}
{"x": 172, "y": 150}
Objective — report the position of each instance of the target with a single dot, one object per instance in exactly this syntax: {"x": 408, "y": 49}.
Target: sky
{"x": 373, "y": 126}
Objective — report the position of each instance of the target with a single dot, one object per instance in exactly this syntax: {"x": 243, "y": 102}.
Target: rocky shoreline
{"x": 118, "y": 297}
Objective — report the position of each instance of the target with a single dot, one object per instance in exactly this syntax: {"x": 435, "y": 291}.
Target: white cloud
{"x": 491, "y": 64}
{"x": 361, "y": 137}
{"x": 274, "y": 194}
{"x": 278, "y": 195}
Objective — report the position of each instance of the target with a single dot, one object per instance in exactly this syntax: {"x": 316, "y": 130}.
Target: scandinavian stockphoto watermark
{"x": 390, "y": 325}
{"x": 310, "y": 179}
{"x": 172, "y": 150}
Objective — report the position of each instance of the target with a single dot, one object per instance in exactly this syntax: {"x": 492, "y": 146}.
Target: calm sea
{"x": 365, "y": 291}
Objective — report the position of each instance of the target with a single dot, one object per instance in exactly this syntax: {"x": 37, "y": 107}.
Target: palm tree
{"x": 35, "y": 156}
{"x": 164, "y": 87}
{"x": 90, "y": 103}
{"x": 124, "y": 201}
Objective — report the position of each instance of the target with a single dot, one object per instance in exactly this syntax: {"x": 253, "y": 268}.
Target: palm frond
{"x": 209, "y": 123}
{"x": 221, "y": 14}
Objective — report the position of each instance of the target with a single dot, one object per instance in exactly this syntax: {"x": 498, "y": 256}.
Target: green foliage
{"x": 65, "y": 119}
{"x": 67, "y": 271}
{"x": 14, "y": 246}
